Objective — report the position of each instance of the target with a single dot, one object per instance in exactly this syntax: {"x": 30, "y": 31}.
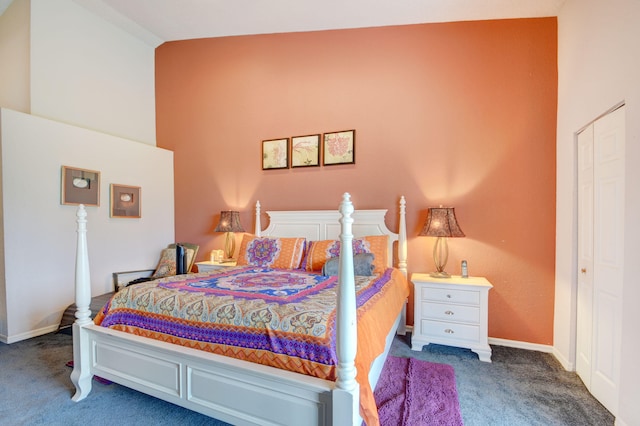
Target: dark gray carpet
{"x": 36, "y": 390}
{"x": 519, "y": 388}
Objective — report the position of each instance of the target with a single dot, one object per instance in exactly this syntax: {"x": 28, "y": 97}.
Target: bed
{"x": 236, "y": 390}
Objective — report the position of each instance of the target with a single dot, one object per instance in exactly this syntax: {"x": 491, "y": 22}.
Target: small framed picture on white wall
{"x": 125, "y": 201}
{"x": 80, "y": 186}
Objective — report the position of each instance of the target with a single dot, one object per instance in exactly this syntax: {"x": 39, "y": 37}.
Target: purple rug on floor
{"x": 411, "y": 392}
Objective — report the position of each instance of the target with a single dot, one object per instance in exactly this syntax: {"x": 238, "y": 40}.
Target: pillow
{"x": 281, "y": 253}
{"x": 318, "y": 252}
{"x": 167, "y": 264}
{"x": 362, "y": 265}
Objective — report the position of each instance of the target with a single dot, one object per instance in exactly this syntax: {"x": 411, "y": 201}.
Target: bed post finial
{"x": 258, "y": 227}
{"x": 346, "y": 333}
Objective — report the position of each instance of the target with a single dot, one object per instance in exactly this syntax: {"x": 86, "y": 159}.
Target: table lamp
{"x": 229, "y": 223}
{"x": 441, "y": 223}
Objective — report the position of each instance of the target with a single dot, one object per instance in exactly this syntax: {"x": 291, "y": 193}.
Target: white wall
{"x": 3, "y": 288}
{"x": 39, "y": 232}
{"x": 63, "y": 64}
{"x": 88, "y": 72}
{"x": 598, "y": 67}
{"x": 14, "y": 56}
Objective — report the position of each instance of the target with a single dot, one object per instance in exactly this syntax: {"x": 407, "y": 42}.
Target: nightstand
{"x": 212, "y": 266}
{"x": 451, "y": 311}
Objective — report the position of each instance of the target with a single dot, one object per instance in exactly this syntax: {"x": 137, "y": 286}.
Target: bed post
{"x": 402, "y": 238}
{"x": 346, "y": 399}
{"x": 81, "y": 375}
{"x": 402, "y": 259}
{"x": 258, "y": 228}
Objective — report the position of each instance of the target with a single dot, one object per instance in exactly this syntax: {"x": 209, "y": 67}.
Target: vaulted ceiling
{"x": 157, "y": 21}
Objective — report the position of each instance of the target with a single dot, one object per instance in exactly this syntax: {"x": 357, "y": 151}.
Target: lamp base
{"x": 442, "y": 274}
{"x": 229, "y": 246}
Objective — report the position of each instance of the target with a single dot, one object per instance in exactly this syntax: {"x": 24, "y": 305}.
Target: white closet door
{"x": 609, "y": 148}
{"x": 601, "y": 266}
{"x": 584, "y": 307}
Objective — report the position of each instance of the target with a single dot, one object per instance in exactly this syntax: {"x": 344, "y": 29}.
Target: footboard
{"x": 230, "y": 390}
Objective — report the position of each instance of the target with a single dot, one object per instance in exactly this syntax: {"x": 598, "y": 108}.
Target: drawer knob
{"x": 448, "y": 331}
{"x": 448, "y": 296}
{"x": 448, "y": 312}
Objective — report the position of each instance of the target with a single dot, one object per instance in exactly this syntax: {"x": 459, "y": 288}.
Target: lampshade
{"x": 441, "y": 223}
{"x": 229, "y": 222}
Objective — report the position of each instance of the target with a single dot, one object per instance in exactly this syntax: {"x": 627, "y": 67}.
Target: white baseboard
{"x": 29, "y": 334}
{"x": 520, "y": 345}
{"x": 527, "y": 346}
{"x": 566, "y": 364}
{"x": 534, "y": 347}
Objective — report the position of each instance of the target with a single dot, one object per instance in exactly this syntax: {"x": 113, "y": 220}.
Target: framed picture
{"x": 275, "y": 154}
{"x": 305, "y": 151}
{"x": 339, "y": 148}
{"x": 125, "y": 201}
{"x": 80, "y": 186}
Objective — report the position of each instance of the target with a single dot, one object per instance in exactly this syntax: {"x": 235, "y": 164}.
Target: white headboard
{"x": 316, "y": 225}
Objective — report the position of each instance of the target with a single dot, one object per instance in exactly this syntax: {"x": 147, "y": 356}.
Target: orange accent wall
{"x": 460, "y": 114}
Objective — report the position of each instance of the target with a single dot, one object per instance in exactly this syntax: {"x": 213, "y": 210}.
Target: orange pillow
{"x": 280, "y": 253}
{"x": 318, "y": 252}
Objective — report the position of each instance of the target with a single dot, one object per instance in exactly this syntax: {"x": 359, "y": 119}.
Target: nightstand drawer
{"x": 445, "y": 312}
{"x": 450, "y": 331}
{"x": 451, "y": 295}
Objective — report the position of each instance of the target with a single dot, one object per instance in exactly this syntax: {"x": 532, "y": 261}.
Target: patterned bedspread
{"x": 280, "y": 318}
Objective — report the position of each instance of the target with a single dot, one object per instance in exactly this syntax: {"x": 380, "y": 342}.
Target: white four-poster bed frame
{"x": 236, "y": 391}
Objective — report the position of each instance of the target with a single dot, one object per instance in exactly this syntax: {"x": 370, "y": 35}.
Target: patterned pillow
{"x": 280, "y": 253}
{"x": 167, "y": 264}
{"x": 318, "y": 252}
